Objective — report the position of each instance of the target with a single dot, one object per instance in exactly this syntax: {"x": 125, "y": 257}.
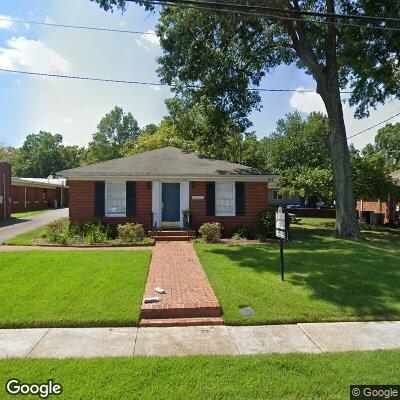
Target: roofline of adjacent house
{"x": 15, "y": 181}
{"x": 163, "y": 178}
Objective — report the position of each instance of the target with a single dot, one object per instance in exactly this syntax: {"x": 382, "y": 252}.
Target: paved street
{"x": 17, "y": 227}
{"x": 192, "y": 340}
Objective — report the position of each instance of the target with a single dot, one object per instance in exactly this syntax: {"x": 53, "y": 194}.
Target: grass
{"x": 71, "y": 288}
{"x": 294, "y": 376}
{"x": 26, "y": 214}
{"x": 326, "y": 279}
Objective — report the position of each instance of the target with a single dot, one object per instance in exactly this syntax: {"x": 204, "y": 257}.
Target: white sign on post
{"x": 280, "y": 226}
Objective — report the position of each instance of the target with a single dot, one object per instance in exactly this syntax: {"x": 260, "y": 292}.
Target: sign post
{"x": 282, "y": 233}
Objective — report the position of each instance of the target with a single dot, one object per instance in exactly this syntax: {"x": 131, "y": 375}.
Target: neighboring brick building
{"x": 157, "y": 187}
{"x": 389, "y": 208}
{"x": 38, "y": 193}
{"x": 5, "y": 191}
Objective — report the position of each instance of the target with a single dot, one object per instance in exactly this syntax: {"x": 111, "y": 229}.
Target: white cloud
{"x": 148, "y": 39}
{"x": 48, "y": 20}
{"x": 5, "y": 22}
{"x": 33, "y": 55}
{"x": 307, "y": 102}
{"x": 155, "y": 88}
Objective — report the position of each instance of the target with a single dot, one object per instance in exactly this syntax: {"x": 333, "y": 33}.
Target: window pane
{"x": 224, "y": 199}
{"x": 116, "y": 199}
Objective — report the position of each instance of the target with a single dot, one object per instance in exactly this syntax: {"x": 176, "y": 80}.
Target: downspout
{"x": 25, "y": 197}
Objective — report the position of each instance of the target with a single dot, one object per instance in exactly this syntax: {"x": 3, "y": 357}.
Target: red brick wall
{"x": 81, "y": 204}
{"x": 256, "y": 201}
{"x": 35, "y": 198}
{"x": 373, "y": 205}
{"x": 5, "y": 189}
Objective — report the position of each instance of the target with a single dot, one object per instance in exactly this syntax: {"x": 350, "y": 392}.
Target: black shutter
{"x": 210, "y": 198}
{"x": 99, "y": 198}
{"x": 130, "y": 199}
{"x": 239, "y": 195}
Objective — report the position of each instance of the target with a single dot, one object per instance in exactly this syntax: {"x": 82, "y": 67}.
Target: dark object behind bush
{"x": 245, "y": 232}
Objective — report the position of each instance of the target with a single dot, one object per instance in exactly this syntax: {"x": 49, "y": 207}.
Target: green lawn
{"x": 326, "y": 279}
{"x": 294, "y": 376}
{"x": 26, "y": 214}
{"x": 71, "y": 288}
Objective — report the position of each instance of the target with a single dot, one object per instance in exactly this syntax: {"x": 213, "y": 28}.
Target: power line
{"x": 122, "y": 81}
{"x": 374, "y": 126}
{"x": 83, "y": 27}
{"x": 283, "y": 10}
{"x": 248, "y": 10}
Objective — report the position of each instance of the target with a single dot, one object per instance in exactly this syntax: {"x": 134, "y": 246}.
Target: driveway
{"x": 19, "y": 226}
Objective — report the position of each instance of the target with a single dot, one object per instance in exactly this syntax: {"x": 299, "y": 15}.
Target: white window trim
{"x": 232, "y": 214}
{"x": 106, "y": 201}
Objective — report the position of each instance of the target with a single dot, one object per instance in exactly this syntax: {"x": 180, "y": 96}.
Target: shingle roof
{"x": 165, "y": 162}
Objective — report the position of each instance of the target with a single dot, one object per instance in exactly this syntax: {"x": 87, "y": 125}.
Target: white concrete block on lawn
{"x": 271, "y": 339}
{"x": 19, "y": 342}
{"x": 182, "y": 341}
{"x": 351, "y": 336}
{"x": 86, "y": 343}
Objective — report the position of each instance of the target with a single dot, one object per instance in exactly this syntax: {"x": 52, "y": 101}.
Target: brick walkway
{"x": 189, "y": 297}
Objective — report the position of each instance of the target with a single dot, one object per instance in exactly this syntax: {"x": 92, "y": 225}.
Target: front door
{"x": 170, "y": 202}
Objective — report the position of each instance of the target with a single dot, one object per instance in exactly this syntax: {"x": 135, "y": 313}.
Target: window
{"x": 115, "y": 200}
{"x": 224, "y": 199}
{"x": 276, "y": 195}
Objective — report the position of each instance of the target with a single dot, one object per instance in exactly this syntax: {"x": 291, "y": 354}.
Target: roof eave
{"x": 113, "y": 177}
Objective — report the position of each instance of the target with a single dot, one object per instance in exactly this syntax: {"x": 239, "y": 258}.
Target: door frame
{"x": 157, "y": 200}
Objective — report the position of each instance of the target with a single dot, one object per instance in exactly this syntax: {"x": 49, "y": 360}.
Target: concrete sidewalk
{"x": 192, "y": 340}
{"x": 17, "y": 227}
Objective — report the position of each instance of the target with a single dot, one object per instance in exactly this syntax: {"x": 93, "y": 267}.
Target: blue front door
{"x": 170, "y": 202}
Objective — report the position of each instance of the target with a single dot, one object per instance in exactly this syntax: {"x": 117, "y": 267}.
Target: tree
{"x": 166, "y": 135}
{"x": 227, "y": 52}
{"x": 372, "y": 178}
{"x": 8, "y": 154}
{"x": 387, "y": 140}
{"x": 114, "y": 131}
{"x": 149, "y": 129}
{"x": 43, "y": 154}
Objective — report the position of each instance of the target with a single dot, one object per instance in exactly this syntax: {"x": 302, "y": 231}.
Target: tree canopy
{"x": 44, "y": 154}
{"x": 114, "y": 131}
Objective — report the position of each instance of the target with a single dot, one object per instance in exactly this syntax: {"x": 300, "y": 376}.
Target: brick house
{"x": 155, "y": 188}
{"x": 38, "y": 193}
{"x": 389, "y": 208}
{"x": 5, "y": 191}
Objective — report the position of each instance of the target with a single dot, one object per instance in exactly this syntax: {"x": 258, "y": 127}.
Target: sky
{"x": 73, "y": 108}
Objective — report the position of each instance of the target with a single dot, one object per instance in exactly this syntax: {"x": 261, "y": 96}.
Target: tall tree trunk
{"x": 346, "y": 217}
{"x": 329, "y": 89}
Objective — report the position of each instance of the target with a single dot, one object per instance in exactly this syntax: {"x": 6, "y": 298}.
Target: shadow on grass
{"x": 360, "y": 277}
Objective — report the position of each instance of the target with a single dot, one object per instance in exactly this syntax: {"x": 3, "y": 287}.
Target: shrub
{"x": 130, "y": 232}
{"x": 211, "y": 232}
{"x": 57, "y": 231}
{"x": 267, "y": 223}
{"x": 244, "y": 232}
{"x": 96, "y": 232}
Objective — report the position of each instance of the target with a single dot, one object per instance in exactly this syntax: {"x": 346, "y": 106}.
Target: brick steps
{"x": 160, "y": 322}
{"x": 172, "y": 235}
{"x": 155, "y": 310}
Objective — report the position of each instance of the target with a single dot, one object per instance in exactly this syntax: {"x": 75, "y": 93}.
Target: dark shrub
{"x": 245, "y": 232}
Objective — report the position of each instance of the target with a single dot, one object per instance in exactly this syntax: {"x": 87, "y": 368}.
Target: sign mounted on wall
{"x": 281, "y": 232}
